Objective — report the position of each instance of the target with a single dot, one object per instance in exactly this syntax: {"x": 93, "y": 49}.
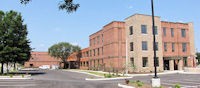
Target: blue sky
{"x": 48, "y": 25}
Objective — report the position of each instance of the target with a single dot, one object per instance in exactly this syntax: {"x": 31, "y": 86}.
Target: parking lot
{"x": 185, "y": 80}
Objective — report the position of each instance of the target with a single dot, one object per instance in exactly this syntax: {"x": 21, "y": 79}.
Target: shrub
{"x": 139, "y": 83}
{"x": 11, "y": 75}
{"x": 22, "y": 75}
{"x": 177, "y": 86}
{"x": 107, "y": 75}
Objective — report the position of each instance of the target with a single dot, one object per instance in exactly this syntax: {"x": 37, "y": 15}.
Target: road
{"x": 66, "y": 79}
{"x": 59, "y": 79}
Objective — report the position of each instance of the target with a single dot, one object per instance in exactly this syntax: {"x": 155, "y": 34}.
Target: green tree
{"x": 62, "y": 50}
{"x": 14, "y": 45}
{"x": 67, "y": 5}
{"x": 198, "y": 57}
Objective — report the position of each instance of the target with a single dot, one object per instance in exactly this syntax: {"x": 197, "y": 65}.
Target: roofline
{"x": 105, "y": 26}
{"x": 176, "y": 22}
{"x": 140, "y": 14}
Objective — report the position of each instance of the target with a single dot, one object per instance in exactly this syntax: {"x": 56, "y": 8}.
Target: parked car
{"x": 45, "y": 67}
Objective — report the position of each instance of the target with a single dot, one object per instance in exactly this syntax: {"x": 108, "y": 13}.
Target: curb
{"x": 14, "y": 78}
{"x": 124, "y": 86}
{"x": 85, "y": 73}
{"x": 101, "y": 79}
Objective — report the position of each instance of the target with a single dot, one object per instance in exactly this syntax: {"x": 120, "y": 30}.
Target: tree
{"x": 67, "y": 5}
{"x": 198, "y": 57}
{"x": 62, "y": 50}
{"x": 14, "y": 45}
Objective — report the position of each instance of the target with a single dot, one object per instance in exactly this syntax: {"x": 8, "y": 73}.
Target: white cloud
{"x": 130, "y": 7}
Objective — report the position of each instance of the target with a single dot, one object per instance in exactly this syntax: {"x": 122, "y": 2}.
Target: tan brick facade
{"x": 137, "y": 37}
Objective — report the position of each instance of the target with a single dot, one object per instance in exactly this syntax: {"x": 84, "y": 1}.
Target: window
{"x": 102, "y": 50}
{"x": 94, "y": 51}
{"x": 144, "y": 45}
{"x": 132, "y": 61}
{"x": 94, "y": 41}
{"x": 156, "y": 30}
{"x": 172, "y": 32}
{"x": 144, "y": 29}
{"x": 98, "y": 39}
{"x": 184, "y": 47}
{"x": 156, "y": 46}
{"x": 131, "y": 30}
{"x": 183, "y": 32}
{"x": 157, "y": 61}
{"x": 173, "y": 47}
{"x": 164, "y": 31}
{"x": 102, "y": 38}
{"x": 131, "y": 46}
{"x": 185, "y": 61}
{"x": 98, "y": 51}
{"x": 144, "y": 62}
{"x": 165, "y": 46}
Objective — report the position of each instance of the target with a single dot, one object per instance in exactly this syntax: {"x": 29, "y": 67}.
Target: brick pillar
{"x": 180, "y": 64}
{"x": 171, "y": 65}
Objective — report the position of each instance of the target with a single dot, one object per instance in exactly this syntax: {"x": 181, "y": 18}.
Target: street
{"x": 66, "y": 79}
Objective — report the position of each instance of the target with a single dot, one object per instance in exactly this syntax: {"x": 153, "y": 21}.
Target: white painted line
{"x": 99, "y": 79}
{"x": 125, "y": 86}
{"x": 23, "y": 85}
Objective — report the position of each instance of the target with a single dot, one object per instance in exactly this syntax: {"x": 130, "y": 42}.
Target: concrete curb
{"x": 124, "y": 86}
{"x": 101, "y": 79}
{"x": 85, "y": 73}
{"x": 16, "y": 77}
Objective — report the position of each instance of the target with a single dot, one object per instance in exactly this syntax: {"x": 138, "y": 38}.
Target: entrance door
{"x": 176, "y": 64}
{"x": 166, "y": 64}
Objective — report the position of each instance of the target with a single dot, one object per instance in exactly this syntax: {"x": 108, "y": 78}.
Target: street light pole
{"x": 155, "y": 79}
{"x": 154, "y": 39}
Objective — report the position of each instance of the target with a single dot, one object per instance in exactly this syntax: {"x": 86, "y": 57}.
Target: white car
{"x": 45, "y": 67}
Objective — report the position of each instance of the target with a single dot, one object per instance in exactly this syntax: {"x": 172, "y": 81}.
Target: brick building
{"x": 140, "y": 43}
{"x": 42, "y": 58}
{"x": 107, "y": 47}
{"x": 119, "y": 44}
{"x": 178, "y": 45}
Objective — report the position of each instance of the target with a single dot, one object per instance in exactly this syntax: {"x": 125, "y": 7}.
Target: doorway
{"x": 176, "y": 64}
{"x": 166, "y": 64}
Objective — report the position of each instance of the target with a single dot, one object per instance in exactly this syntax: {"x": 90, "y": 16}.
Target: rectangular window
{"x": 183, "y": 32}
{"x": 156, "y": 30}
{"x": 94, "y": 52}
{"x": 165, "y": 46}
{"x": 157, "y": 61}
{"x": 144, "y": 45}
{"x": 98, "y": 39}
{"x": 132, "y": 61}
{"x": 90, "y": 53}
{"x": 94, "y": 41}
{"x": 102, "y": 38}
{"x": 184, "y": 47}
{"x": 185, "y": 61}
{"x": 164, "y": 31}
{"x": 131, "y": 30}
{"x": 144, "y": 61}
{"x": 102, "y": 50}
{"x": 156, "y": 46}
{"x": 98, "y": 51}
{"x": 144, "y": 29}
{"x": 131, "y": 46}
{"x": 172, "y": 32}
{"x": 173, "y": 47}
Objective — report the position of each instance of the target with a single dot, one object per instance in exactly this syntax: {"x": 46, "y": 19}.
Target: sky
{"x": 47, "y": 25}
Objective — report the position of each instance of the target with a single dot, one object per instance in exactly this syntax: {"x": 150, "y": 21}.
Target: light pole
{"x": 155, "y": 80}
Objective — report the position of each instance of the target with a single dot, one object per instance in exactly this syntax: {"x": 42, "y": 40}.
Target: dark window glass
{"x": 172, "y": 32}
{"x": 144, "y": 29}
{"x": 144, "y": 62}
{"x": 183, "y": 32}
{"x": 184, "y": 47}
{"x": 131, "y": 46}
{"x": 164, "y": 31}
{"x": 131, "y": 30}
{"x": 144, "y": 45}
